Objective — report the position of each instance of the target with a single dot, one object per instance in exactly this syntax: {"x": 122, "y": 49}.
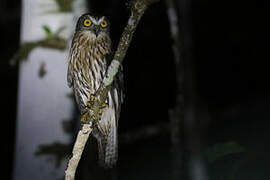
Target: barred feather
{"x": 111, "y": 147}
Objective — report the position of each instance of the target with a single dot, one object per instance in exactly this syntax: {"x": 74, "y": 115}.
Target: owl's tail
{"x": 108, "y": 149}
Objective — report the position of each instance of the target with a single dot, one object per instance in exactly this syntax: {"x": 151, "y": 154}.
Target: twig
{"x": 53, "y": 42}
{"x": 137, "y": 8}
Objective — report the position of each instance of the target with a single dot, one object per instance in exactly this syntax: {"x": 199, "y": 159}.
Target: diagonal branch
{"x": 80, "y": 142}
{"x": 137, "y": 8}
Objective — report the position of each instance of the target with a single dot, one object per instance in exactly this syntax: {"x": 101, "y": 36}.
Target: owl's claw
{"x": 89, "y": 106}
{"x": 92, "y": 97}
{"x": 91, "y": 101}
{"x": 105, "y": 105}
{"x": 102, "y": 108}
{"x": 84, "y": 117}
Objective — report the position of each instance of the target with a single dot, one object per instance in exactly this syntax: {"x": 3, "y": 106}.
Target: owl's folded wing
{"x": 69, "y": 75}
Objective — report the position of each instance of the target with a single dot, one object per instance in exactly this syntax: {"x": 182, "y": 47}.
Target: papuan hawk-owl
{"x": 89, "y": 58}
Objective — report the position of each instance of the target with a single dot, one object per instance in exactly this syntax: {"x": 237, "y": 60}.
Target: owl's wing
{"x": 69, "y": 74}
{"x": 70, "y": 65}
{"x": 120, "y": 83}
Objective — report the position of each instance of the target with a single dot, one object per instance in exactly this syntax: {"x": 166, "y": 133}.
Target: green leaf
{"x": 220, "y": 150}
{"x": 47, "y": 31}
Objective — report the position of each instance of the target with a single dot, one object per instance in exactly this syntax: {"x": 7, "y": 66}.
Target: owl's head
{"x": 93, "y": 25}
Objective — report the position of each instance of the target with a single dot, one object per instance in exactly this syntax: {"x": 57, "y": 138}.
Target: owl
{"x": 89, "y": 58}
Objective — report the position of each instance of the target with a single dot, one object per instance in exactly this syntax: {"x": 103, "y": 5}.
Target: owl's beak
{"x": 97, "y": 30}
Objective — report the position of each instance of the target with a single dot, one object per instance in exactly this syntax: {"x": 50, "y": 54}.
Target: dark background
{"x": 229, "y": 47}
{"x": 9, "y": 35}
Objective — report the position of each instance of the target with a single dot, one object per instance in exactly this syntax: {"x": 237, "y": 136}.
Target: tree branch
{"x": 137, "y": 8}
{"x": 77, "y": 151}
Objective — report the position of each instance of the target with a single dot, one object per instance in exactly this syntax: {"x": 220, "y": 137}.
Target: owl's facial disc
{"x": 93, "y": 26}
{"x": 100, "y": 25}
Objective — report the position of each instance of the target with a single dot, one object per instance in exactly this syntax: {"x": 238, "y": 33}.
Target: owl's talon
{"x": 89, "y": 104}
{"x": 105, "y": 105}
{"x": 100, "y": 111}
{"x": 102, "y": 107}
{"x": 91, "y": 101}
{"x": 84, "y": 118}
{"x": 92, "y": 97}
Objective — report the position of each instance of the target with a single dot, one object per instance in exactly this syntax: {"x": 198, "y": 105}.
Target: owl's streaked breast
{"x": 88, "y": 60}
{"x": 88, "y": 57}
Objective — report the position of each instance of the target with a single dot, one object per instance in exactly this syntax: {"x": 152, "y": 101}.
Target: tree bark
{"x": 192, "y": 130}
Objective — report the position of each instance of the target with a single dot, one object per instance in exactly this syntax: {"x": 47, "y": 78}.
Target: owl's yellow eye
{"x": 87, "y": 22}
{"x": 104, "y": 24}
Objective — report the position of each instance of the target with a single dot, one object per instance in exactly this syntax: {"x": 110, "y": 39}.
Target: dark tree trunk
{"x": 194, "y": 120}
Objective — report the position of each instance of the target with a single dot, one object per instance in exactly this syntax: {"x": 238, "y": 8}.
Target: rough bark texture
{"x": 77, "y": 151}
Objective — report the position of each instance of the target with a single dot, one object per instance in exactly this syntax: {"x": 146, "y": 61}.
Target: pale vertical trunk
{"x": 43, "y": 102}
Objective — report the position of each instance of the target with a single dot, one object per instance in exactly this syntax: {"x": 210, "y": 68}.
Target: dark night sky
{"x": 230, "y": 49}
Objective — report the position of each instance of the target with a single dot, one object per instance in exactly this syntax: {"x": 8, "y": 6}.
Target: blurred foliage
{"x": 47, "y": 31}
{"x": 52, "y": 40}
{"x": 42, "y": 70}
{"x": 64, "y": 5}
{"x": 69, "y": 125}
{"x": 228, "y": 165}
{"x": 58, "y": 150}
{"x": 220, "y": 150}
{"x": 50, "y": 34}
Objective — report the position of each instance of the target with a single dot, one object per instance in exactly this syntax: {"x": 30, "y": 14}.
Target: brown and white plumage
{"x": 88, "y": 61}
